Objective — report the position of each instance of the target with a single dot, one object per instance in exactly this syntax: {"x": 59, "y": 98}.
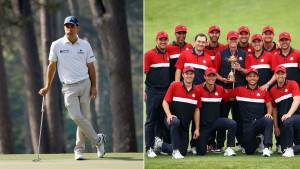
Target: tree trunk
{"x": 110, "y": 21}
{"x": 53, "y": 108}
{"x": 32, "y": 73}
{"x": 73, "y": 6}
{"x": 6, "y": 136}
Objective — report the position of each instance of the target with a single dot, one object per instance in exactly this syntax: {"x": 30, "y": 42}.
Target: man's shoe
{"x": 100, "y": 145}
{"x": 192, "y": 150}
{"x": 261, "y": 146}
{"x": 266, "y": 152}
{"x": 229, "y": 152}
{"x": 239, "y": 148}
{"x": 163, "y": 153}
{"x": 151, "y": 154}
{"x": 218, "y": 150}
{"x": 289, "y": 152}
{"x": 157, "y": 149}
{"x": 176, "y": 154}
{"x": 271, "y": 151}
{"x": 210, "y": 148}
{"x": 78, "y": 155}
{"x": 278, "y": 149}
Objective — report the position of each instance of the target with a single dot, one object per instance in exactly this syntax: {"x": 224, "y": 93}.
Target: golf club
{"x": 43, "y": 109}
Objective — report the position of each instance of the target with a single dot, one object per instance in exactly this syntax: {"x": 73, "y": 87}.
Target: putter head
{"x": 36, "y": 160}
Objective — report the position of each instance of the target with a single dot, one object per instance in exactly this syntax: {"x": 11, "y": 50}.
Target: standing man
{"x": 181, "y": 105}
{"x": 286, "y": 108}
{"x": 214, "y": 46}
{"x": 210, "y": 120}
{"x": 269, "y": 45}
{"x": 200, "y": 61}
{"x": 223, "y": 68}
{"x": 156, "y": 67}
{"x": 252, "y": 104}
{"x": 244, "y": 35}
{"x": 74, "y": 59}
{"x": 176, "y": 48}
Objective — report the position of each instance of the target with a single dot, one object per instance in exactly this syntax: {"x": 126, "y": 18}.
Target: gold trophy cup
{"x": 231, "y": 76}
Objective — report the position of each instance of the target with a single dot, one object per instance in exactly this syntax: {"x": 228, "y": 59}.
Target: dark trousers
{"x": 287, "y": 132}
{"x": 219, "y": 124}
{"x": 252, "y": 129}
{"x": 154, "y": 125}
{"x": 225, "y": 108}
{"x": 179, "y": 137}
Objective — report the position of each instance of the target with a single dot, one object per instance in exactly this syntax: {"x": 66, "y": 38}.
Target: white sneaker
{"x": 271, "y": 151}
{"x": 78, "y": 155}
{"x": 229, "y": 152}
{"x": 101, "y": 145}
{"x": 176, "y": 154}
{"x": 278, "y": 149}
{"x": 192, "y": 150}
{"x": 151, "y": 154}
{"x": 157, "y": 149}
{"x": 289, "y": 152}
{"x": 239, "y": 148}
{"x": 243, "y": 150}
{"x": 266, "y": 152}
{"x": 261, "y": 146}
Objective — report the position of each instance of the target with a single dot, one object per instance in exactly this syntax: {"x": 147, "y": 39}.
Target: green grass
{"x": 66, "y": 161}
{"x": 229, "y": 15}
{"x": 218, "y": 161}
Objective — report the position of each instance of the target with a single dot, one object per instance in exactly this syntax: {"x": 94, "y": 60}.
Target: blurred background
{"x": 115, "y": 31}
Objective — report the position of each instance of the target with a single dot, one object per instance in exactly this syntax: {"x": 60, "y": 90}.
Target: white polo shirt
{"x": 71, "y": 59}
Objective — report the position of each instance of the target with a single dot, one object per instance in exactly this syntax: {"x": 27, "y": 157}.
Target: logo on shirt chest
{"x": 262, "y": 60}
{"x": 204, "y": 61}
{"x": 249, "y": 50}
{"x": 216, "y": 93}
{"x": 240, "y": 58}
{"x": 258, "y": 94}
{"x": 80, "y": 52}
{"x": 64, "y": 51}
{"x": 193, "y": 95}
{"x": 286, "y": 90}
{"x": 292, "y": 58}
{"x": 187, "y": 49}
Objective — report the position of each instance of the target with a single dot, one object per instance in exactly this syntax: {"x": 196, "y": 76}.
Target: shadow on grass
{"x": 114, "y": 158}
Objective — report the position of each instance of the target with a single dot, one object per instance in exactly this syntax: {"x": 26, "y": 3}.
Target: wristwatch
{"x": 268, "y": 83}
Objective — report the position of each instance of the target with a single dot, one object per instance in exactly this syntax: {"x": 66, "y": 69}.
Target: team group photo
{"x": 219, "y": 89}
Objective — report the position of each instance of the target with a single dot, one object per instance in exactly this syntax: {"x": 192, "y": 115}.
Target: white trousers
{"x": 77, "y": 101}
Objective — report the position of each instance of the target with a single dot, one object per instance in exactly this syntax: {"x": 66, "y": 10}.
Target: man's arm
{"x": 92, "y": 73}
{"x": 166, "y": 107}
{"x": 275, "y": 116}
{"x": 197, "y": 123}
{"x": 178, "y": 75}
{"x": 293, "y": 108}
{"x": 269, "y": 110}
{"x": 268, "y": 84}
{"x": 50, "y": 74}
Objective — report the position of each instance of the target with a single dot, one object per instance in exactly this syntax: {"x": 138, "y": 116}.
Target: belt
{"x": 81, "y": 81}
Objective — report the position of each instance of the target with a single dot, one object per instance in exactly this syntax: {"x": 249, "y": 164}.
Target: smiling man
{"x": 156, "y": 68}
{"x": 214, "y": 46}
{"x": 267, "y": 35}
{"x": 244, "y": 35}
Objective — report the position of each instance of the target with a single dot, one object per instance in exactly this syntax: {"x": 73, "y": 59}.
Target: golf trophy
{"x": 231, "y": 76}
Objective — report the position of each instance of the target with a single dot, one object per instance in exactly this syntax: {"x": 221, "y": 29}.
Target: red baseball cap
{"x": 243, "y": 28}
{"x": 180, "y": 28}
{"x": 162, "y": 34}
{"x": 214, "y": 27}
{"x": 280, "y": 68}
{"x": 232, "y": 34}
{"x": 284, "y": 35}
{"x": 251, "y": 70}
{"x": 210, "y": 70}
{"x": 268, "y": 28}
{"x": 256, "y": 36}
{"x": 187, "y": 68}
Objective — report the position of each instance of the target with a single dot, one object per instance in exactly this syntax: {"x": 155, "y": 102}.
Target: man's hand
{"x": 93, "y": 93}
{"x": 277, "y": 132}
{"x": 224, "y": 80}
{"x": 269, "y": 116}
{"x": 169, "y": 118}
{"x": 264, "y": 87}
{"x": 44, "y": 91}
{"x": 196, "y": 134}
{"x": 284, "y": 117}
{"x": 237, "y": 66}
{"x": 145, "y": 96}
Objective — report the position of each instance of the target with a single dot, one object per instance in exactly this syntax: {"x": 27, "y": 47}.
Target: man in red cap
{"x": 156, "y": 67}
{"x": 286, "y": 109}
{"x": 210, "y": 121}
{"x": 269, "y": 45}
{"x": 176, "y": 48}
{"x": 244, "y": 35}
{"x": 214, "y": 46}
{"x": 252, "y": 104}
{"x": 181, "y": 105}
{"x": 223, "y": 67}
{"x": 263, "y": 61}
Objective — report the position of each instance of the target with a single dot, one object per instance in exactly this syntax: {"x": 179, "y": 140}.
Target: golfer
{"x": 74, "y": 60}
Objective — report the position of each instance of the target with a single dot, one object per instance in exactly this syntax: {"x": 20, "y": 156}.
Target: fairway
{"x": 66, "y": 161}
